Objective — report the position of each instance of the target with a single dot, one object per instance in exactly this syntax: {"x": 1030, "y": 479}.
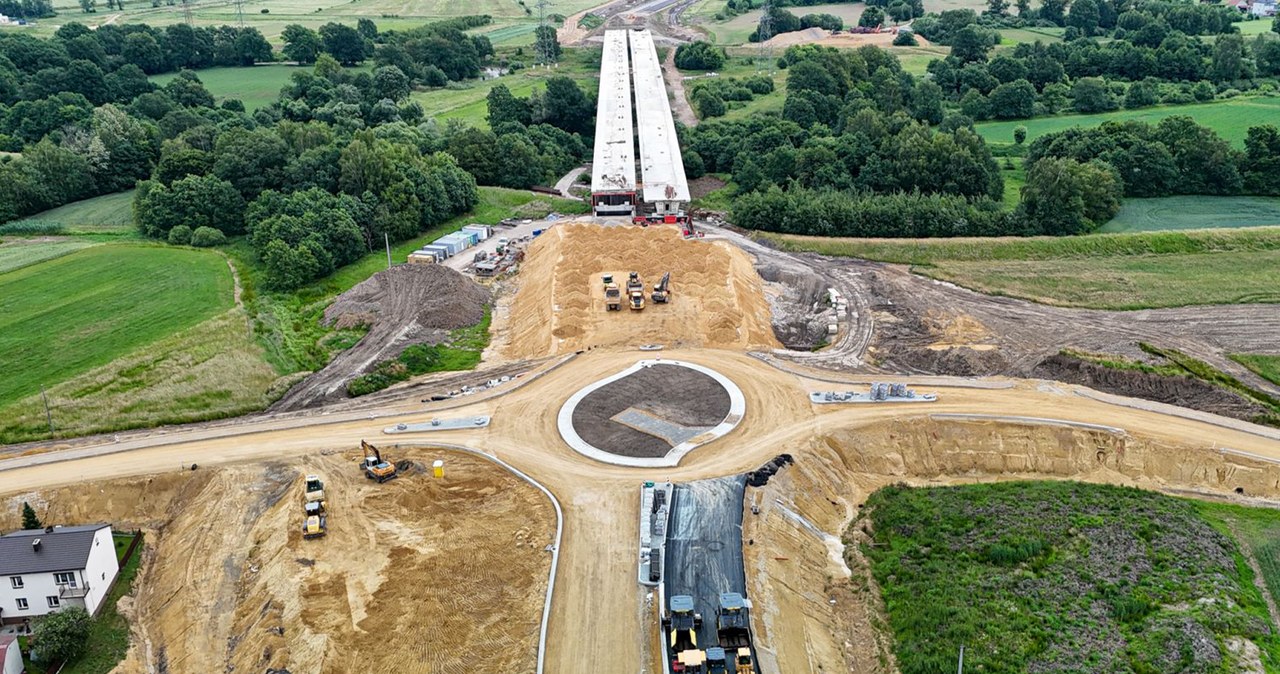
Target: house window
{"x": 54, "y": 602}
{"x": 22, "y": 604}
{"x": 16, "y": 582}
{"x": 68, "y": 579}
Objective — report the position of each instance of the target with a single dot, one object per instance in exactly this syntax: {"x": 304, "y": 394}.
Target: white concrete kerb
{"x": 737, "y": 409}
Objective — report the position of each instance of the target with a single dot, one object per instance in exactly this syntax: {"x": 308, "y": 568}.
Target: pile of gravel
{"x": 431, "y": 297}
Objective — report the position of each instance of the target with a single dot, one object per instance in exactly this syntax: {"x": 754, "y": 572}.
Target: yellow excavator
{"x": 375, "y": 468}
{"x": 662, "y": 290}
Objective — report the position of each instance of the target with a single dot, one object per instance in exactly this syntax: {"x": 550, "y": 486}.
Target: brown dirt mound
{"x": 415, "y": 575}
{"x": 405, "y": 305}
{"x": 1183, "y": 391}
{"x": 717, "y": 300}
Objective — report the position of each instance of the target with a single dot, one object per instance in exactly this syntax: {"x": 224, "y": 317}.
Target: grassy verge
{"x": 1267, "y": 367}
{"x": 1062, "y": 576}
{"x": 1230, "y": 118}
{"x": 461, "y": 351}
{"x": 1258, "y": 530}
{"x": 1103, "y": 271}
{"x": 64, "y": 317}
{"x": 109, "y": 637}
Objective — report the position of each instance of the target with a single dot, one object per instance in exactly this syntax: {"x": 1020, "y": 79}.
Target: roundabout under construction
{"x": 466, "y": 558}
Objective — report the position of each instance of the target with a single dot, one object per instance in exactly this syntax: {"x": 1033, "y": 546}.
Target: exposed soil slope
{"x": 405, "y": 305}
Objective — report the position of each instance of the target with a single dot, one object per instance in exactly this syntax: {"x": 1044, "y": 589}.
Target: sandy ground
{"x": 415, "y": 575}
{"x": 598, "y": 608}
{"x": 559, "y": 306}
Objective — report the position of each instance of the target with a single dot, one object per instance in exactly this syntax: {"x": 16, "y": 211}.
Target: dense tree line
{"x": 436, "y": 53}
{"x": 1174, "y": 156}
{"x": 699, "y": 56}
{"x": 1152, "y": 55}
{"x": 27, "y": 9}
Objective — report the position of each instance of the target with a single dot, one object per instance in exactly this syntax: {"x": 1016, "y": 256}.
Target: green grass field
{"x": 255, "y": 86}
{"x": 1065, "y": 576}
{"x": 1013, "y": 36}
{"x": 1198, "y": 212}
{"x": 1257, "y": 530}
{"x": 1102, "y": 271}
{"x": 109, "y": 213}
{"x": 21, "y": 253}
{"x": 1230, "y": 118}
{"x": 1267, "y": 367}
{"x": 61, "y": 318}
{"x": 465, "y": 101}
{"x": 388, "y": 14}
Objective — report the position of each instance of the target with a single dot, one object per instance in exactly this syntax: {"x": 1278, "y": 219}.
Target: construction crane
{"x": 374, "y": 467}
{"x": 662, "y": 291}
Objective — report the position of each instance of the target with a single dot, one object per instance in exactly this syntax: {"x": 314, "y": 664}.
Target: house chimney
{"x": 48, "y": 529}
{"x": 35, "y": 545}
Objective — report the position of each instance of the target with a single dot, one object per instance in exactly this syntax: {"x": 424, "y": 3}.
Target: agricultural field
{"x": 1064, "y": 576}
{"x": 20, "y": 253}
{"x": 107, "y": 214}
{"x": 1194, "y": 212}
{"x": 64, "y": 317}
{"x": 465, "y": 101}
{"x": 736, "y": 30}
{"x": 271, "y": 16}
{"x": 1014, "y": 36}
{"x": 1230, "y": 118}
{"x": 1100, "y": 271}
{"x": 255, "y": 86}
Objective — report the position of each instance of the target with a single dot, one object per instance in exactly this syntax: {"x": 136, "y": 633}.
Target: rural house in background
{"x": 43, "y": 570}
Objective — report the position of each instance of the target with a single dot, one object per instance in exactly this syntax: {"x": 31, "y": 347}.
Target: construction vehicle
{"x": 637, "y": 300}
{"x": 634, "y": 284}
{"x": 717, "y": 661}
{"x": 662, "y": 291}
{"x": 692, "y": 661}
{"x": 314, "y": 508}
{"x": 314, "y": 527}
{"x": 375, "y": 468}
{"x": 314, "y": 490}
{"x": 612, "y": 297}
{"x": 743, "y": 664}
{"x": 682, "y": 625}
{"x": 733, "y": 630}
{"x": 607, "y": 280}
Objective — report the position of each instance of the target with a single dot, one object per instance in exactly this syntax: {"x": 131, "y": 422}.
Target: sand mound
{"x": 717, "y": 299}
{"x": 415, "y": 575}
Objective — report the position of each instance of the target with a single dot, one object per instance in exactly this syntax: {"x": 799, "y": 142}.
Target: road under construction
{"x": 632, "y": 106}
{"x": 978, "y": 429}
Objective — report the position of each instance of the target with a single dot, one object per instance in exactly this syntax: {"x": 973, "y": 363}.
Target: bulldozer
{"x": 662, "y": 291}
{"x": 612, "y": 297}
{"x": 375, "y": 468}
{"x": 314, "y": 527}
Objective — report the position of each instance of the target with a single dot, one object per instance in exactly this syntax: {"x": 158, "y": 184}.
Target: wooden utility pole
{"x": 48, "y": 416}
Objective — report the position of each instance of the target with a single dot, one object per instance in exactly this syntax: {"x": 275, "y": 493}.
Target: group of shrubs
{"x": 201, "y": 237}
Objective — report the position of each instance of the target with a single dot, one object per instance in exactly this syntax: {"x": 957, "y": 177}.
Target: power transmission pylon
{"x": 240, "y": 13}
{"x": 186, "y": 11}
{"x": 765, "y": 31}
{"x": 546, "y": 54}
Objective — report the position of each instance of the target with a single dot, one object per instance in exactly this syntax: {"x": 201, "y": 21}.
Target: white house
{"x": 10, "y": 658}
{"x": 43, "y": 570}
{"x": 1263, "y": 8}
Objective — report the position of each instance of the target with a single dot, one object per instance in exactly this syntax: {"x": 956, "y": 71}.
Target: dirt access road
{"x": 599, "y": 612}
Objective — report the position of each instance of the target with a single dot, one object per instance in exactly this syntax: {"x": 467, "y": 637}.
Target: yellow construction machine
{"x": 662, "y": 290}
{"x": 612, "y": 297}
{"x": 314, "y": 527}
{"x": 375, "y": 468}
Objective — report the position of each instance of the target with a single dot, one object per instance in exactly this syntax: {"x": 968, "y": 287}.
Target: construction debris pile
{"x": 424, "y": 297}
